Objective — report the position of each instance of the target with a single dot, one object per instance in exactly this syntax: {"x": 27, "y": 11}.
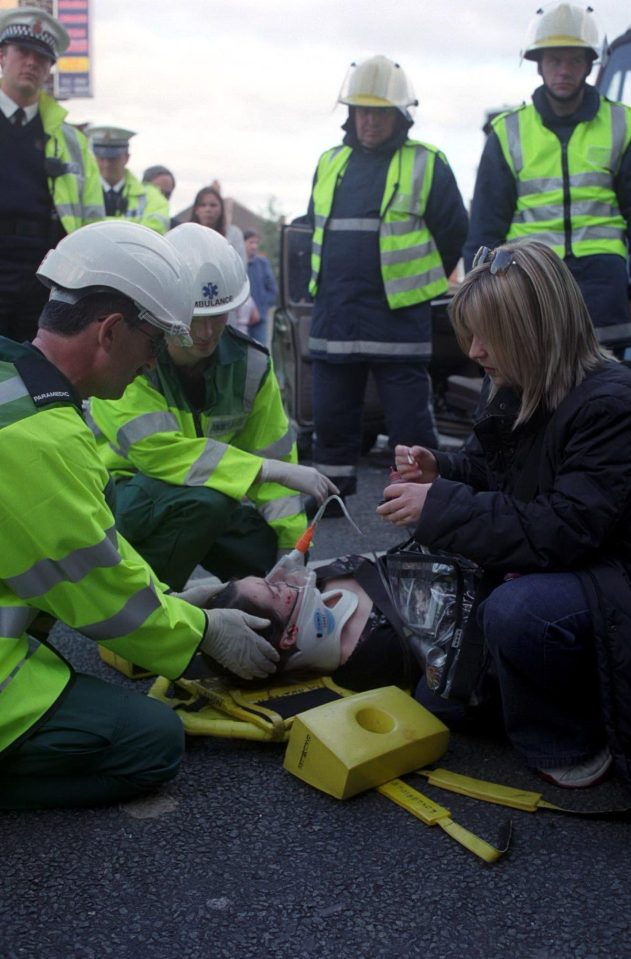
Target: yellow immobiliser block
{"x": 362, "y": 741}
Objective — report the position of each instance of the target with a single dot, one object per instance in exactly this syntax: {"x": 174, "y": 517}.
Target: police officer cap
{"x": 109, "y": 141}
{"x": 35, "y": 29}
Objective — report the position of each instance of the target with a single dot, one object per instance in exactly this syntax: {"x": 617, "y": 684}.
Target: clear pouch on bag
{"x": 434, "y": 593}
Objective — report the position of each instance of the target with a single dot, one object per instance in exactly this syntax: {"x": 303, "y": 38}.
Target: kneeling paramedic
{"x": 68, "y": 739}
{"x": 202, "y": 430}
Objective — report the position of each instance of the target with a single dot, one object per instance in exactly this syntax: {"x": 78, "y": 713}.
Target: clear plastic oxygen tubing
{"x": 293, "y": 563}
{"x": 304, "y": 542}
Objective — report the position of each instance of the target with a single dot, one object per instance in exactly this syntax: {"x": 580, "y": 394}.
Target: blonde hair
{"x": 533, "y": 318}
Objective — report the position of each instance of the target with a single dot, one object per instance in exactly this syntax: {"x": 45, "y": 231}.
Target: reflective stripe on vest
{"x": 411, "y": 267}
{"x": 47, "y": 573}
{"x": 571, "y": 206}
{"x": 377, "y": 348}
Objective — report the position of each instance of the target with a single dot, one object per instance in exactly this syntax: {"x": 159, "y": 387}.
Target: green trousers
{"x": 176, "y": 528}
{"x": 102, "y": 744}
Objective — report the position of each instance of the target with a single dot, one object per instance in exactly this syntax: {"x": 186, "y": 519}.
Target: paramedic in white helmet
{"x": 388, "y": 227}
{"x": 558, "y": 169}
{"x": 68, "y": 739}
{"x": 200, "y": 446}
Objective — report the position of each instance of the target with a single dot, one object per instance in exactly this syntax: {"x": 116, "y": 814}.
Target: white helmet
{"x": 131, "y": 259}
{"x": 562, "y": 25}
{"x": 377, "y": 82}
{"x": 220, "y": 280}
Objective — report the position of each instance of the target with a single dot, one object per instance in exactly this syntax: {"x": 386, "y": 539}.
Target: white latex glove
{"x": 305, "y": 479}
{"x": 201, "y": 591}
{"x": 231, "y": 641}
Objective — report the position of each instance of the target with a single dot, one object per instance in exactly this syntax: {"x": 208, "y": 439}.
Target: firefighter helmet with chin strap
{"x": 562, "y": 25}
{"x": 130, "y": 259}
{"x": 220, "y": 280}
{"x": 377, "y": 82}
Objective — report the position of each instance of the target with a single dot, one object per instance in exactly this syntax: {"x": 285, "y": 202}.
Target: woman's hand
{"x": 404, "y": 503}
{"x": 415, "y": 464}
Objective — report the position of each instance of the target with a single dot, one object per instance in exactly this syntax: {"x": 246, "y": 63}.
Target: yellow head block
{"x": 362, "y": 741}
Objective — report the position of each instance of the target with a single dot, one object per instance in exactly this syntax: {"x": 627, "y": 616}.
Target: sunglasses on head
{"x": 500, "y": 260}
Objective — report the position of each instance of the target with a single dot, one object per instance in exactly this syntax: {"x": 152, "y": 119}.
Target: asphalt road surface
{"x": 237, "y": 859}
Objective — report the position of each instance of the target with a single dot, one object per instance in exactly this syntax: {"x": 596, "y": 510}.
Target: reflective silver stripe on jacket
{"x": 514, "y": 141}
{"x": 139, "y": 211}
{"x": 14, "y": 620}
{"x": 72, "y": 568}
{"x": 143, "y": 426}
{"x": 355, "y": 224}
{"x": 12, "y": 389}
{"x": 406, "y": 283}
{"x": 408, "y": 253}
{"x": 618, "y": 135}
{"x": 282, "y": 446}
{"x": 281, "y": 508}
{"x": 74, "y": 149}
{"x": 557, "y": 237}
{"x": 370, "y": 346}
{"x": 255, "y": 371}
{"x": 70, "y": 209}
{"x": 206, "y": 464}
{"x": 332, "y": 470}
{"x": 90, "y": 421}
{"x": 92, "y": 214}
{"x": 550, "y": 184}
{"x": 554, "y": 211}
{"x": 131, "y": 617}
{"x": 33, "y": 646}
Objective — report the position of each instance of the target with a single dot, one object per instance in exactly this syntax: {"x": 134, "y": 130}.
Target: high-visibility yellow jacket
{"x": 61, "y": 553}
{"x": 411, "y": 266}
{"x": 76, "y": 194}
{"x": 565, "y": 193}
{"x": 154, "y": 430}
{"x": 145, "y": 204}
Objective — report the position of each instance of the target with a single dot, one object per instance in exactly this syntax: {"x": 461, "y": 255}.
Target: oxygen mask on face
{"x": 317, "y": 619}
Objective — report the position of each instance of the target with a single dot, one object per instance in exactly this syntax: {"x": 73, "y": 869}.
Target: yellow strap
{"x": 432, "y": 814}
{"x": 486, "y": 791}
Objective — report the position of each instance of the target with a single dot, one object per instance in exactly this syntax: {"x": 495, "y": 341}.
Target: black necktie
{"x": 111, "y": 202}
{"x": 18, "y": 119}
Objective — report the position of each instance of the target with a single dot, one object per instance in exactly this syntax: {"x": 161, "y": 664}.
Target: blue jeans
{"x": 539, "y": 632}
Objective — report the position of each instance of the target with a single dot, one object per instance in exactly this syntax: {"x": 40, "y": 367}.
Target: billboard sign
{"x": 73, "y": 73}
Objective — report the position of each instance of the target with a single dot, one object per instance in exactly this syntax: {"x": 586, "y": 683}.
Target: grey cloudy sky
{"x": 245, "y": 91}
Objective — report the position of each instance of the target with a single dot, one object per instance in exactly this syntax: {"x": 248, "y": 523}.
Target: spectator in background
{"x": 262, "y": 286}
{"x": 50, "y": 181}
{"x": 124, "y": 195}
{"x": 209, "y": 210}
{"x": 160, "y": 177}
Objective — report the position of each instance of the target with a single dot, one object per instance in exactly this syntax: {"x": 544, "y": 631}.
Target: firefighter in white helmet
{"x": 559, "y": 169}
{"x": 193, "y": 438}
{"x": 67, "y": 739}
{"x": 388, "y": 227}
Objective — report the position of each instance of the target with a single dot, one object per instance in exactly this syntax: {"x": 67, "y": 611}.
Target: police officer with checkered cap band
{"x": 124, "y": 194}
{"x": 36, "y": 30}
{"x": 50, "y": 181}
